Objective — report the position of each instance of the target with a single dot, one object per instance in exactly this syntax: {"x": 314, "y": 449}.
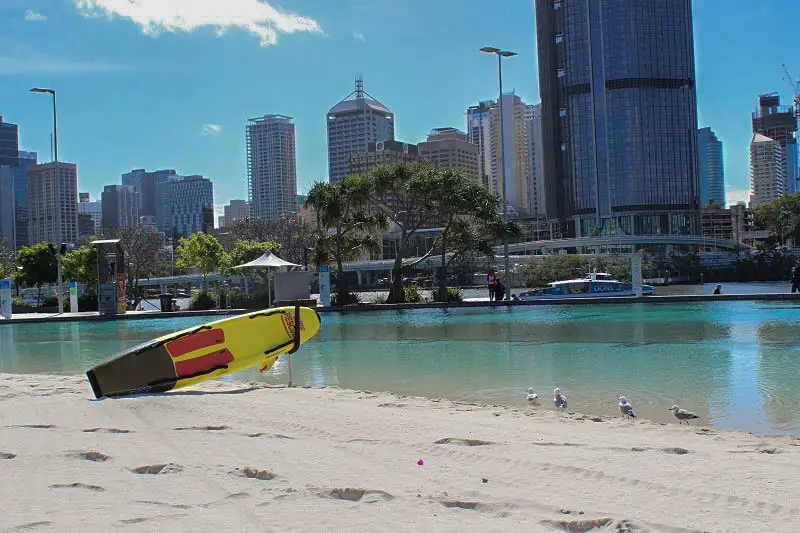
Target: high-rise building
{"x": 94, "y": 212}
{"x": 619, "y": 116}
{"x": 449, "y": 148}
{"x": 52, "y": 203}
{"x": 120, "y": 205}
{"x": 9, "y": 160}
{"x": 536, "y": 187}
{"x": 780, "y": 123}
{"x": 712, "y": 173}
{"x": 151, "y": 200}
{"x": 20, "y": 184}
{"x": 514, "y": 169}
{"x": 191, "y": 198}
{"x": 271, "y": 166}
{"x": 479, "y": 132}
{"x": 235, "y": 210}
{"x": 353, "y": 124}
{"x": 382, "y": 153}
{"x": 767, "y": 170}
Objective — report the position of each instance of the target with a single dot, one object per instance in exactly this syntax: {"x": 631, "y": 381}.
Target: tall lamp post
{"x": 52, "y": 92}
{"x": 500, "y": 55}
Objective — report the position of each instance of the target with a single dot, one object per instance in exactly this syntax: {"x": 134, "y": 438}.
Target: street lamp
{"x": 500, "y": 55}
{"x": 52, "y": 92}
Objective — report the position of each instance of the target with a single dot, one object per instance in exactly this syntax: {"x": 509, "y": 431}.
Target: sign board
{"x": 73, "y": 296}
{"x": 636, "y": 274}
{"x": 5, "y": 298}
{"x": 292, "y": 286}
{"x": 122, "y": 304}
{"x": 325, "y": 286}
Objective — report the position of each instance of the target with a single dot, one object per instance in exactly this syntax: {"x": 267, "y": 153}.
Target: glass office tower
{"x": 619, "y": 116}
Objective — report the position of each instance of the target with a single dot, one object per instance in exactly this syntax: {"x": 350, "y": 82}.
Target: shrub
{"x": 381, "y": 299}
{"x": 87, "y": 302}
{"x": 352, "y": 298}
{"x": 202, "y": 301}
{"x": 413, "y": 294}
{"x": 453, "y": 294}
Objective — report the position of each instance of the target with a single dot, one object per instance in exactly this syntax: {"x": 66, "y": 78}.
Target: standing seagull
{"x": 625, "y": 407}
{"x": 682, "y": 414}
{"x": 558, "y": 400}
{"x": 532, "y": 396}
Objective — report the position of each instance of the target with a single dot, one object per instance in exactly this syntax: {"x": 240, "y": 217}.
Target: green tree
{"x": 202, "y": 251}
{"x": 472, "y": 220}
{"x": 406, "y": 195}
{"x": 246, "y": 251}
{"x": 6, "y": 260}
{"x": 81, "y": 265}
{"x": 781, "y": 218}
{"x": 38, "y": 266}
{"x": 345, "y": 224}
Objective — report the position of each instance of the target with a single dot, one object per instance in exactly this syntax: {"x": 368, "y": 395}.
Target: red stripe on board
{"x": 202, "y": 339}
{"x": 199, "y": 365}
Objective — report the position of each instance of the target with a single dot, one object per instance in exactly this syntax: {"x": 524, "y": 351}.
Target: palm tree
{"x": 347, "y": 227}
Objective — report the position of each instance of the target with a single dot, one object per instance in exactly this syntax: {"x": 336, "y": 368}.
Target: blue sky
{"x": 148, "y": 89}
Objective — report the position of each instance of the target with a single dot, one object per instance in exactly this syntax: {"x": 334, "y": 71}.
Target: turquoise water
{"x": 734, "y": 363}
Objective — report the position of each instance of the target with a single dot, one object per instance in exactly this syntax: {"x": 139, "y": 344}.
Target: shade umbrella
{"x": 268, "y": 261}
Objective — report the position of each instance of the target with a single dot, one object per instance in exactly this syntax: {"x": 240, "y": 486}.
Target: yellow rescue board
{"x": 205, "y": 352}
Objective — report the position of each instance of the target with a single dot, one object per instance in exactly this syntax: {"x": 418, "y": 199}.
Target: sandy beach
{"x": 245, "y": 457}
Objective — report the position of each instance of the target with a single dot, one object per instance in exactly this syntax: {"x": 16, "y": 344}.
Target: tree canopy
{"x": 38, "y": 265}
{"x": 246, "y": 251}
{"x": 782, "y": 218}
{"x": 81, "y": 265}
{"x": 202, "y": 251}
{"x": 346, "y": 227}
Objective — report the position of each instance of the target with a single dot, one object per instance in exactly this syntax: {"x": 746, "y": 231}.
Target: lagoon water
{"x": 737, "y": 364}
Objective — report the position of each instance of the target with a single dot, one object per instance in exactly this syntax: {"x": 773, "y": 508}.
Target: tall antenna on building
{"x": 359, "y": 92}
{"x": 795, "y": 90}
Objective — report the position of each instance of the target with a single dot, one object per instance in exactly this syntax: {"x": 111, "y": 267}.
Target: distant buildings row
{"x": 41, "y": 202}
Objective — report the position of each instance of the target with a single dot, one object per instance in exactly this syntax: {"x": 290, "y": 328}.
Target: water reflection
{"x": 734, "y": 363}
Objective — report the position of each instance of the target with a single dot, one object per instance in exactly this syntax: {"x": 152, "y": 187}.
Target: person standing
{"x": 796, "y": 277}
{"x": 491, "y": 282}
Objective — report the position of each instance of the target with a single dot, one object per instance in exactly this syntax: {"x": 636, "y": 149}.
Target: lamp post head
{"x": 41, "y": 90}
{"x": 507, "y": 53}
{"x": 490, "y": 49}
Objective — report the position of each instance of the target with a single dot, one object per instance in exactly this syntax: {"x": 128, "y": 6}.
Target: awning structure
{"x": 268, "y": 260}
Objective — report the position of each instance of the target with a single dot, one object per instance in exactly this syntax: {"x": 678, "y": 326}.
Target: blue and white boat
{"x": 595, "y": 284}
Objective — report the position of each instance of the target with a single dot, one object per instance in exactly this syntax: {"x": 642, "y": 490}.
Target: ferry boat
{"x": 595, "y": 284}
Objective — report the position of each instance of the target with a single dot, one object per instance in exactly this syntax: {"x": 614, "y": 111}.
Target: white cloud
{"x": 733, "y": 195}
{"x": 33, "y": 16}
{"x": 258, "y": 17}
{"x": 211, "y": 129}
{"x": 358, "y": 36}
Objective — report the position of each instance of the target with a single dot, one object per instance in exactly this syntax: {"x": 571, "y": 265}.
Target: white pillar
{"x": 636, "y": 274}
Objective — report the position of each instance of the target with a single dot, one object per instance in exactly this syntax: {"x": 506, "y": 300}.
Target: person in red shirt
{"x": 491, "y": 282}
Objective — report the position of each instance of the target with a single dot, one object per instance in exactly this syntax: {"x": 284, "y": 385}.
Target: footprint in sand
{"x": 93, "y": 488}
{"x": 202, "y": 428}
{"x": 254, "y": 473}
{"x": 6, "y": 455}
{"x": 356, "y": 495}
{"x": 168, "y": 468}
{"x": 464, "y": 442}
{"x": 95, "y": 457}
{"x": 30, "y": 526}
{"x": 106, "y": 430}
{"x": 33, "y": 426}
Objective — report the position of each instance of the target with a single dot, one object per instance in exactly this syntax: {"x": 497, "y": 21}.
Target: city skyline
{"x": 187, "y": 130}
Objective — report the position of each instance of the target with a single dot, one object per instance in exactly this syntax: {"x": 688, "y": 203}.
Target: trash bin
{"x": 166, "y": 302}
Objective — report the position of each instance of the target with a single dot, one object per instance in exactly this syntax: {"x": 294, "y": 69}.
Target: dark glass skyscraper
{"x": 619, "y": 115}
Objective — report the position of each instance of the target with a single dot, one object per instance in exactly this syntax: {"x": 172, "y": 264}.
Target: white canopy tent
{"x": 268, "y": 261}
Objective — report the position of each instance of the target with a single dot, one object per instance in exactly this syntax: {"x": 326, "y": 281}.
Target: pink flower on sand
{"x": 420, "y": 462}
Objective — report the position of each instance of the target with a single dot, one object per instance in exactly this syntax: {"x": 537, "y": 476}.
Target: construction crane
{"x": 795, "y": 90}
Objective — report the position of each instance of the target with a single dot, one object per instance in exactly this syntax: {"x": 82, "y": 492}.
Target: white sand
{"x": 543, "y": 471}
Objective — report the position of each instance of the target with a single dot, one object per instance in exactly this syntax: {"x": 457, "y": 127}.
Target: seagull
{"x": 625, "y": 407}
{"x": 558, "y": 400}
{"x": 682, "y": 414}
{"x": 532, "y": 396}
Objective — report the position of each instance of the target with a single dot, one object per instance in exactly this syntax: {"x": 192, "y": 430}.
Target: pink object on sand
{"x": 420, "y": 462}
